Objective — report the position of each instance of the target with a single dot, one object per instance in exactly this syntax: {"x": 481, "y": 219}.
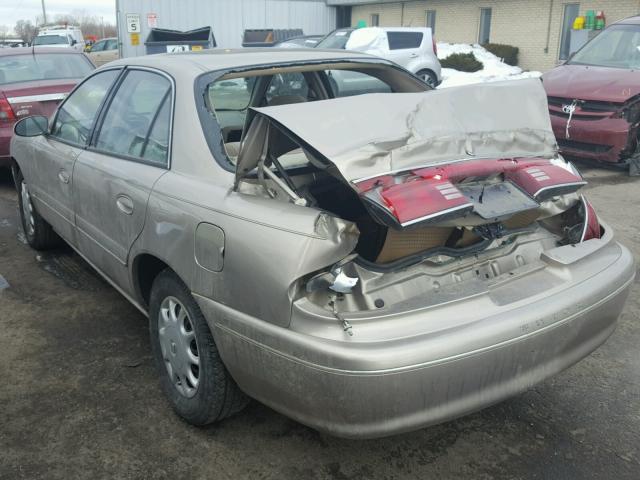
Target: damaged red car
{"x": 594, "y": 98}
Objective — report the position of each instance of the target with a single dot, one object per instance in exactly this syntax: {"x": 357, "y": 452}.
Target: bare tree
{"x": 89, "y": 24}
{"x": 25, "y": 30}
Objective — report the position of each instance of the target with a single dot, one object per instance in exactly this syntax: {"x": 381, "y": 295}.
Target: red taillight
{"x": 591, "y": 224}
{"x": 6, "y": 112}
{"x": 435, "y": 46}
{"x": 423, "y": 199}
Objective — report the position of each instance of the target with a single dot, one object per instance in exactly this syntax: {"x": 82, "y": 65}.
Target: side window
{"x": 111, "y": 45}
{"x": 346, "y": 83}
{"x": 156, "y": 149}
{"x": 98, "y": 47}
{"x": 403, "y": 40}
{"x": 137, "y": 110}
{"x": 77, "y": 114}
{"x": 287, "y": 88}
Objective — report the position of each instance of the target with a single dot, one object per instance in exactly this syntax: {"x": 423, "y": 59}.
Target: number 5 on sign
{"x": 133, "y": 23}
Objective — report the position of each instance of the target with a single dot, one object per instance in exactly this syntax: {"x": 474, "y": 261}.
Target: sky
{"x": 13, "y": 10}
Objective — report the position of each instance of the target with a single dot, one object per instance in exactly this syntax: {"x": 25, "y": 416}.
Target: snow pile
{"x": 494, "y": 69}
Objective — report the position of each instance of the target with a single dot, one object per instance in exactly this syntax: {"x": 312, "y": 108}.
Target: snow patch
{"x": 494, "y": 68}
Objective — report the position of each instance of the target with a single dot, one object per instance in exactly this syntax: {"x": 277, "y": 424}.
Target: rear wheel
{"x": 192, "y": 374}
{"x": 40, "y": 235}
{"x": 428, "y": 77}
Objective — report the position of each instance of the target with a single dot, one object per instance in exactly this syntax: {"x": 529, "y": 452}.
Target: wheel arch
{"x": 144, "y": 269}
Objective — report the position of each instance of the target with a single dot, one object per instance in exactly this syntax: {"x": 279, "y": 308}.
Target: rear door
{"x": 404, "y": 46}
{"x": 113, "y": 178}
{"x": 50, "y": 171}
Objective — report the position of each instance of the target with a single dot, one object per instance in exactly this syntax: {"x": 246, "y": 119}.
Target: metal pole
{"x": 44, "y": 14}
{"x": 118, "y": 29}
{"x": 102, "y": 22}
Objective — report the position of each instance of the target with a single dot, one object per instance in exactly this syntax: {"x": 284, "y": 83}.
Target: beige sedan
{"x": 321, "y": 231}
{"x": 104, "y": 51}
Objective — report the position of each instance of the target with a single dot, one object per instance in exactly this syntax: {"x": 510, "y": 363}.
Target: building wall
{"x": 522, "y": 23}
{"x": 228, "y": 18}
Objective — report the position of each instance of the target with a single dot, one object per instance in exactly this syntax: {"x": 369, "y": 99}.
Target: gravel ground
{"x": 80, "y": 397}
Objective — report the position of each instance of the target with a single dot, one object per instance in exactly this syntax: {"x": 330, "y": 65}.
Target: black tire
{"x": 428, "y": 77}
{"x": 39, "y": 234}
{"x": 217, "y": 396}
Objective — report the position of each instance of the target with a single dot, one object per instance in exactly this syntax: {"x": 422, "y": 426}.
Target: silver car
{"x": 365, "y": 264}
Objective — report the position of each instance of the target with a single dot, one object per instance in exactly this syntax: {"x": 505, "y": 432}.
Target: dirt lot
{"x": 80, "y": 398}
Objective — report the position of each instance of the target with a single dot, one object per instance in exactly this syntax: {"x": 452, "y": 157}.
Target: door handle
{"x": 63, "y": 176}
{"x": 413, "y": 55}
{"x": 124, "y": 204}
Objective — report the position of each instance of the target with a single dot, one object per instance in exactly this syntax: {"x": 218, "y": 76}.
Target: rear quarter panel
{"x": 268, "y": 244}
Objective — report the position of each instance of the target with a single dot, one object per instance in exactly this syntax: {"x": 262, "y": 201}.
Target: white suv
{"x": 412, "y": 48}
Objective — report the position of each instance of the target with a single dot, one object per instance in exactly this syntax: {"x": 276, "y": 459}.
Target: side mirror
{"x": 32, "y": 126}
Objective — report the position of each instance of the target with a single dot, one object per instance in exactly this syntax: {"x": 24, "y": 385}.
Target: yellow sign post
{"x": 135, "y": 39}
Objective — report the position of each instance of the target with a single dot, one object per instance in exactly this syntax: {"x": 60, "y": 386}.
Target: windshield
{"x": 50, "y": 40}
{"x": 618, "y": 46}
{"x": 337, "y": 40}
{"x": 28, "y": 67}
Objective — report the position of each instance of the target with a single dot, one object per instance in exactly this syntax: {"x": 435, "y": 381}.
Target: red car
{"x": 32, "y": 82}
{"x": 594, "y": 98}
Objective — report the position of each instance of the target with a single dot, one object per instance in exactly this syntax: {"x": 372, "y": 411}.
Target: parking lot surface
{"x": 80, "y": 398}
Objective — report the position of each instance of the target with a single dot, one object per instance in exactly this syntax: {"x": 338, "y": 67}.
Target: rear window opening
{"x": 231, "y": 97}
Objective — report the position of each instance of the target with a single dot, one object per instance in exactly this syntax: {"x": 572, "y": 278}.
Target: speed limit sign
{"x": 133, "y": 23}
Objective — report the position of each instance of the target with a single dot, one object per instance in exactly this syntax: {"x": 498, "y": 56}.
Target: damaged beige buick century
{"x": 320, "y": 231}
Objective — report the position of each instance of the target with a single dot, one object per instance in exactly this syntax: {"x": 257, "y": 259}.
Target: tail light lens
{"x": 435, "y": 46}
{"x": 6, "y": 112}
{"x": 591, "y": 227}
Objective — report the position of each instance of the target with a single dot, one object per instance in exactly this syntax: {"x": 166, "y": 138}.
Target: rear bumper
{"x": 602, "y": 140}
{"x": 371, "y": 389}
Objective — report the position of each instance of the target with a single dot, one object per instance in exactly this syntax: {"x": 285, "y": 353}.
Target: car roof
{"x": 38, "y": 51}
{"x": 225, "y": 59}
{"x": 630, "y": 21}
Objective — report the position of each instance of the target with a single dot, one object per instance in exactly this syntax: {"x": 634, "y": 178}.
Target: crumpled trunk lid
{"x": 482, "y": 151}
{"x": 375, "y": 134}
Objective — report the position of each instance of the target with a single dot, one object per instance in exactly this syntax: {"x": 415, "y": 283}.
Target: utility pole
{"x": 102, "y": 23}
{"x": 44, "y": 14}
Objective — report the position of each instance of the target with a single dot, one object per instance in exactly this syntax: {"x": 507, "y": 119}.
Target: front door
{"x": 51, "y": 172}
{"x": 114, "y": 177}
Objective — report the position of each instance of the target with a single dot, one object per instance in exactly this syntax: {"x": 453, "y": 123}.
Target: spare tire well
{"x": 146, "y": 268}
